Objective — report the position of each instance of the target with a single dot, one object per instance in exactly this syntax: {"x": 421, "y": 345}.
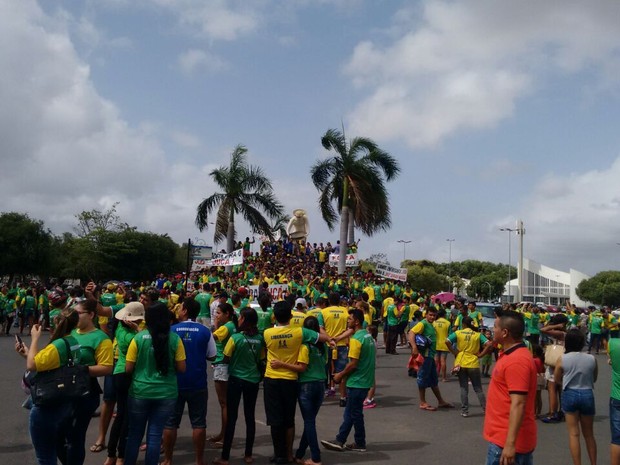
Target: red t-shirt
{"x": 514, "y": 372}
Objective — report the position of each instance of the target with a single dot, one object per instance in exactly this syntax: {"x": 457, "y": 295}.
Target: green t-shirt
{"x": 392, "y": 319}
{"x": 362, "y": 347}
{"x": 311, "y": 355}
{"x": 264, "y": 319}
{"x": 61, "y": 347}
{"x": 123, "y": 337}
{"x": 613, "y": 349}
{"x": 532, "y": 321}
{"x": 108, "y": 299}
{"x": 427, "y": 329}
{"x": 89, "y": 342}
{"x": 204, "y": 299}
{"x": 222, "y": 334}
{"x": 596, "y": 324}
{"x": 147, "y": 381}
{"x": 245, "y": 352}
{"x": 29, "y": 303}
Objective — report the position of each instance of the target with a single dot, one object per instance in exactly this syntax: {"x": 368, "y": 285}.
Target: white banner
{"x": 277, "y": 291}
{"x": 227, "y": 259}
{"x": 198, "y": 265}
{"x": 351, "y": 259}
{"x": 389, "y": 272}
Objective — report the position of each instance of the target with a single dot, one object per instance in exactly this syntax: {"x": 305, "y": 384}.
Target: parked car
{"x": 488, "y": 313}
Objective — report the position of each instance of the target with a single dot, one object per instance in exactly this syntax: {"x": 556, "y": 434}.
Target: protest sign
{"x": 351, "y": 259}
{"x": 390, "y": 272}
{"x": 277, "y": 291}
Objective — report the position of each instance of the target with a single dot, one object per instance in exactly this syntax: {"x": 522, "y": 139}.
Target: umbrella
{"x": 444, "y": 297}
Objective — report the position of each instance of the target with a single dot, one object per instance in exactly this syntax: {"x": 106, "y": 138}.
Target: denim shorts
{"x": 342, "y": 360}
{"x": 494, "y": 454}
{"x": 427, "y": 374}
{"x": 196, "y": 408}
{"x": 578, "y": 401}
{"x": 220, "y": 372}
{"x": 109, "y": 390}
{"x": 614, "y": 420}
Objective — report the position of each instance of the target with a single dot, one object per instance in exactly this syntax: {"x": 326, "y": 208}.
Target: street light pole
{"x": 510, "y": 231}
{"x": 490, "y": 289}
{"x": 450, "y": 241}
{"x": 404, "y": 242}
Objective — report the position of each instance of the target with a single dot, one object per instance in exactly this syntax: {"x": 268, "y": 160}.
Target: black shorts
{"x": 196, "y": 407}
{"x": 280, "y": 401}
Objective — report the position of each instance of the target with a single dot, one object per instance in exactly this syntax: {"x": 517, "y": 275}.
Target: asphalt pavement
{"x": 397, "y": 431}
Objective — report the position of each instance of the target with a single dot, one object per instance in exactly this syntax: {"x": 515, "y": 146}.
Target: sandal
{"x": 446, "y": 405}
{"x": 430, "y": 408}
{"x": 96, "y": 448}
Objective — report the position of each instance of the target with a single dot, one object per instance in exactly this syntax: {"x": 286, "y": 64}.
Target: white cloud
{"x": 466, "y": 64}
{"x": 194, "y": 61}
{"x": 185, "y": 139}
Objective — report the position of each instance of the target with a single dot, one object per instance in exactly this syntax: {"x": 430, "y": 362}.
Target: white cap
{"x": 301, "y": 301}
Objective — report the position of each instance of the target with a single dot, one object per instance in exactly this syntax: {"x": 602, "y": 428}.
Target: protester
{"x": 153, "y": 357}
{"x": 280, "y": 384}
{"x": 509, "y": 423}
{"x": 556, "y": 331}
{"x": 576, "y": 372}
{"x": 427, "y": 373}
{"x": 225, "y": 326}
{"x": 360, "y": 377}
{"x": 199, "y": 346}
{"x": 243, "y": 353}
{"x": 130, "y": 317}
{"x": 48, "y": 422}
{"x": 466, "y": 345}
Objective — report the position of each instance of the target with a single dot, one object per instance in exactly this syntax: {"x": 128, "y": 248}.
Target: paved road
{"x": 397, "y": 430}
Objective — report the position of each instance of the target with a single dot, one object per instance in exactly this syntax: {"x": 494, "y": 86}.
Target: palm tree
{"x": 355, "y": 179}
{"x": 246, "y": 190}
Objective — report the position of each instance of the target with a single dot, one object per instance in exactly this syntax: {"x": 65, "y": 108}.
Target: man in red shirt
{"x": 509, "y": 423}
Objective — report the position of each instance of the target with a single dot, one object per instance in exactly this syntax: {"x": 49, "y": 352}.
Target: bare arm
{"x": 517, "y": 411}
{"x": 351, "y": 366}
{"x": 296, "y": 367}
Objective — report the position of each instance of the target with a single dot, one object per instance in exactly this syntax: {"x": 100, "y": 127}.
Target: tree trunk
{"x": 344, "y": 220}
{"x": 351, "y": 239}
{"x": 230, "y": 237}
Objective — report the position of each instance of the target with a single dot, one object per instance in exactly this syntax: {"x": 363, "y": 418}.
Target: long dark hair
{"x": 311, "y": 322}
{"x": 250, "y": 321}
{"x": 67, "y": 322}
{"x": 157, "y": 320}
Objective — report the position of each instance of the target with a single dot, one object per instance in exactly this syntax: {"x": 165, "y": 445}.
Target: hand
{"x": 275, "y": 364}
{"x": 89, "y": 289}
{"x": 131, "y": 324}
{"x": 36, "y": 331}
{"x": 21, "y": 349}
{"x": 508, "y": 455}
{"x": 337, "y": 378}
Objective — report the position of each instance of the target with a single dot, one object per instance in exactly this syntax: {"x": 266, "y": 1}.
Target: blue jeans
{"x": 153, "y": 412}
{"x": 354, "y": 417}
{"x": 47, "y": 428}
{"x": 83, "y": 409}
{"x": 310, "y": 399}
{"x": 494, "y": 453}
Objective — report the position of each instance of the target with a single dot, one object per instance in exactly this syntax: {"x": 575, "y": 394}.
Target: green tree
{"x": 426, "y": 278}
{"x": 94, "y": 220}
{"x": 487, "y": 286}
{"x": 25, "y": 245}
{"x": 354, "y": 179}
{"x": 247, "y": 191}
{"x": 601, "y": 289}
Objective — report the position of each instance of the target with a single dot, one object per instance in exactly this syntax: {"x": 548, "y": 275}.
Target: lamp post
{"x": 490, "y": 289}
{"x": 450, "y": 241}
{"x": 404, "y": 242}
{"x": 509, "y": 231}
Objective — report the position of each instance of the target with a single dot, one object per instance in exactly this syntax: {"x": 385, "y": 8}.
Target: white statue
{"x": 298, "y": 227}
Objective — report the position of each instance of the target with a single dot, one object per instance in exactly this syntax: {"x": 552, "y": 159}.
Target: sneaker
{"x": 330, "y": 393}
{"x": 354, "y": 447}
{"x": 333, "y": 445}
{"x": 343, "y": 402}
{"x": 555, "y": 418}
{"x": 464, "y": 414}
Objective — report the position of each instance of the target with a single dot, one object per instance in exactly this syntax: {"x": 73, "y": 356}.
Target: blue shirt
{"x": 199, "y": 345}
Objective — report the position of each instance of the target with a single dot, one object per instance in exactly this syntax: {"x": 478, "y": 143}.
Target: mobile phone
{"x": 19, "y": 340}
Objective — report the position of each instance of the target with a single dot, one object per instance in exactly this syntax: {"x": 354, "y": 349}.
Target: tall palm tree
{"x": 247, "y": 191}
{"x": 354, "y": 178}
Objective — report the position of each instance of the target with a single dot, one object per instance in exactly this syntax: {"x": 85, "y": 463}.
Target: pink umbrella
{"x": 444, "y": 297}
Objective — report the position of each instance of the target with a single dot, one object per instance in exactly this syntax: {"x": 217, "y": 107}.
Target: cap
{"x": 132, "y": 311}
{"x": 301, "y": 301}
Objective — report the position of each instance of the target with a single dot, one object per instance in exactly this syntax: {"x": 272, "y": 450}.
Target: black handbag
{"x": 66, "y": 383}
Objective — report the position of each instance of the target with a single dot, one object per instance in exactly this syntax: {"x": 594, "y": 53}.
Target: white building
{"x": 542, "y": 283}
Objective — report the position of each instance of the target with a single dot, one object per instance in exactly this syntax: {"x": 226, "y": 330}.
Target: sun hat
{"x": 132, "y": 311}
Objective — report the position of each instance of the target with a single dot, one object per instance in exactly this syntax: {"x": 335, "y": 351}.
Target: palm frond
{"x": 334, "y": 140}
{"x": 221, "y": 223}
{"x": 205, "y": 208}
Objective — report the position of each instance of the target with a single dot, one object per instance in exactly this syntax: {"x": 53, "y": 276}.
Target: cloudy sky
{"x": 496, "y": 110}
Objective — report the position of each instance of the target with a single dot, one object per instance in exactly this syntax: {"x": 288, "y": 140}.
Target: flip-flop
{"x": 96, "y": 448}
{"x": 430, "y": 408}
{"x": 448, "y": 405}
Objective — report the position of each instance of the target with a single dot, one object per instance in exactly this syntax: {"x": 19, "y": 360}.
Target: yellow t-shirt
{"x": 442, "y": 327}
{"x": 335, "y": 322}
{"x": 386, "y": 303}
{"x": 283, "y": 343}
{"x": 297, "y": 319}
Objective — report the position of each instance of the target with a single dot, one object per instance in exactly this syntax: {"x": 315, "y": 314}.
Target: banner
{"x": 351, "y": 259}
{"x": 277, "y": 291}
{"x": 389, "y": 272}
{"x": 198, "y": 265}
{"x": 226, "y": 259}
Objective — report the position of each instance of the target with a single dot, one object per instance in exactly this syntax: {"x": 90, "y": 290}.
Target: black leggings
{"x": 118, "y": 432}
{"x": 235, "y": 389}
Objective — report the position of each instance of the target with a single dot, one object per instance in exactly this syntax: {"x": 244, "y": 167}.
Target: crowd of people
{"x": 286, "y": 319}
